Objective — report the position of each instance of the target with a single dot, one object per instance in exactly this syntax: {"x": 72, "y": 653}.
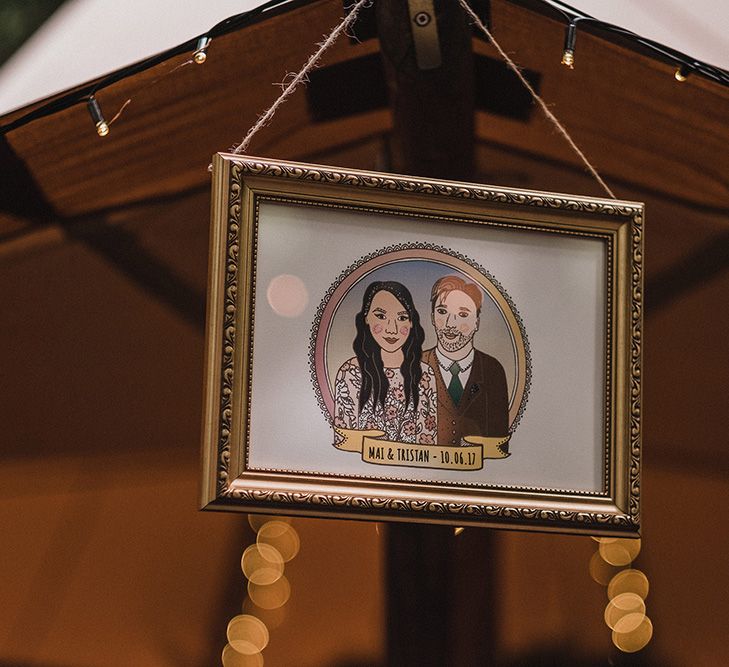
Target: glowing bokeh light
{"x": 630, "y": 642}
{"x": 622, "y": 605}
{"x": 604, "y": 540}
{"x": 628, "y": 581}
{"x": 272, "y": 596}
{"x": 262, "y": 564}
{"x": 620, "y": 552}
{"x": 272, "y": 618}
{"x": 247, "y": 634}
{"x": 287, "y": 295}
{"x": 282, "y": 537}
{"x": 601, "y": 571}
{"x": 255, "y": 521}
{"x": 458, "y": 530}
{"x": 629, "y": 622}
{"x": 231, "y": 658}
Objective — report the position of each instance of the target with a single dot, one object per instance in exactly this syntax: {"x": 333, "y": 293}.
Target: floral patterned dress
{"x": 400, "y": 423}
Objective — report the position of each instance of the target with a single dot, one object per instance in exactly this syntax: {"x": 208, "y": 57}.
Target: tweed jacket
{"x": 484, "y": 406}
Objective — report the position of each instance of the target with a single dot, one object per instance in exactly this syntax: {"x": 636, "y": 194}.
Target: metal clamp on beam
{"x": 425, "y": 33}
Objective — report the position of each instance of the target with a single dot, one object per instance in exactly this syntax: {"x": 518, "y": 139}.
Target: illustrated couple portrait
{"x": 433, "y": 396}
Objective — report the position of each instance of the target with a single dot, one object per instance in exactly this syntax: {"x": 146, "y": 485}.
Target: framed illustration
{"x": 395, "y": 348}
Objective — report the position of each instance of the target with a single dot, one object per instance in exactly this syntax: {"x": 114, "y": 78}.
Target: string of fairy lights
{"x": 268, "y": 590}
{"x": 684, "y": 65}
{"x": 627, "y": 589}
{"x": 199, "y": 56}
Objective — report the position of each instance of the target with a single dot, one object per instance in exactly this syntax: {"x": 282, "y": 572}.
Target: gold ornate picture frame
{"x": 395, "y": 348}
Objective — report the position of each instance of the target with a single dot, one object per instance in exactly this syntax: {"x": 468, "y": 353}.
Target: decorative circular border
{"x": 391, "y": 254}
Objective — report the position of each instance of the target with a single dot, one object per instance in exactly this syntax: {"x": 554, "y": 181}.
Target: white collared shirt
{"x": 444, "y": 364}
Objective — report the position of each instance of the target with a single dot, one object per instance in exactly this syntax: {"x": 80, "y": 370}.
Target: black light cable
{"x": 200, "y": 54}
{"x": 102, "y": 127}
{"x": 570, "y": 37}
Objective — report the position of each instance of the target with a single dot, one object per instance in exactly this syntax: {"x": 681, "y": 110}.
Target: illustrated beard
{"x": 453, "y": 344}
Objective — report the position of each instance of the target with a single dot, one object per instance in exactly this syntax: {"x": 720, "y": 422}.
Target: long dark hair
{"x": 374, "y": 380}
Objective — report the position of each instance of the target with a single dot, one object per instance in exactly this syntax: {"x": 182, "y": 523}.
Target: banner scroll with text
{"x": 374, "y": 448}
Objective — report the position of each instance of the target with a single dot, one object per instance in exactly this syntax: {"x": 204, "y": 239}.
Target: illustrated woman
{"x": 386, "y": 386}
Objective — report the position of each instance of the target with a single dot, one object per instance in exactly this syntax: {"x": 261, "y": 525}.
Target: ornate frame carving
{"x": 227, "y": 482}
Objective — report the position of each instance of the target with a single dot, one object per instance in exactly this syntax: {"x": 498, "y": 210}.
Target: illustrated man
{"x": 471, "y": 385}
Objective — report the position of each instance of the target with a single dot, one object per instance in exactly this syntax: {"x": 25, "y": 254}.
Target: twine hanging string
{"x": 562, "y": 130}
{"x": 302, "y": 76}
{"x": 345, "y": 23}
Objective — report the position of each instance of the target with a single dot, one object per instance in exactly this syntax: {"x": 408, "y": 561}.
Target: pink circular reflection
{"x": 287, "y": 295}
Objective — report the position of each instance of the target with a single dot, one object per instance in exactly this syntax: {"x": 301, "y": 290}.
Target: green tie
{"x": 455, "y": 388}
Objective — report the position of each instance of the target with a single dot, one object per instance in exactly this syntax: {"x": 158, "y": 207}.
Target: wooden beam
{"x": 432, "y": 108}
{"x": 439, "y": 586}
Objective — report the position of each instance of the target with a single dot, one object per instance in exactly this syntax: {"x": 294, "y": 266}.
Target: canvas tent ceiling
{"x": 620, "y": 107}
{"x": 103, "y": 248}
